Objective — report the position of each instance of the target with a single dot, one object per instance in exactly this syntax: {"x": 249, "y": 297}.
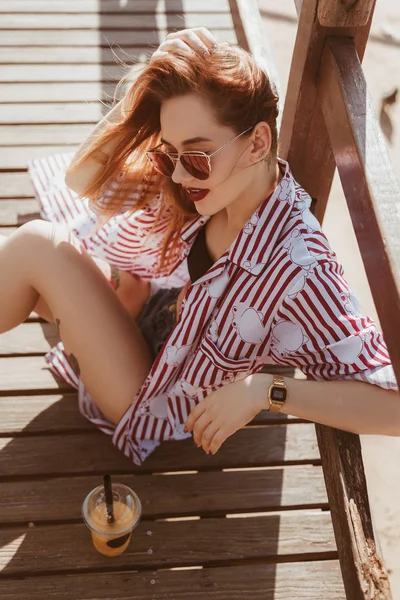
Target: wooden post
{"x": 346, "y": 13}
{"x": 312, "y": 147}
{"x": 304, "y": 140}
{"x": 369, "y": 184}
{"x": 364, "y": 575}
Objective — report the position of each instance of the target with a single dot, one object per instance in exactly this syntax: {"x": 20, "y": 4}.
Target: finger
{"x": 206, "y": 36}
{"x": 219, "y": 438}
{"x": 174, "y": 45}
{"x": 194, "y": 415}
{"x": 198, "y": 38}
{"x": 208, "y": 435}
{"x": 196, "y": 43}
{"x": 200, "y": 426}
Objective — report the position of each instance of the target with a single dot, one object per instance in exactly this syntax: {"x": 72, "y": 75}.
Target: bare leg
{"x": 132, "y": 291}
{"x": 104, "y": 342}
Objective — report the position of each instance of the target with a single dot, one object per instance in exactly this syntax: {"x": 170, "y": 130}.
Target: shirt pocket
{"x": 222, "y": 362}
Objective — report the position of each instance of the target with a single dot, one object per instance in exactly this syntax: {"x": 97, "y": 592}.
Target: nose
{"x": 180, "y": 175}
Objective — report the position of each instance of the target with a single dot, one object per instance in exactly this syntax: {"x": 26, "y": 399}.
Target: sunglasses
{"x": 196, "y": 163}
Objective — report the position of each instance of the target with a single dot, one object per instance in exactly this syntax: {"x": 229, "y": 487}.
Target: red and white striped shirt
{"x": 276, "y": 296}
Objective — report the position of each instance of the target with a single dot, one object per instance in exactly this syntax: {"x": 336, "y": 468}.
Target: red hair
{"x": 241, "y": 95}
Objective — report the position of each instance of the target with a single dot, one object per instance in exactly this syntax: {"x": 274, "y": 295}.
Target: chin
{"x": 205, "y": 211}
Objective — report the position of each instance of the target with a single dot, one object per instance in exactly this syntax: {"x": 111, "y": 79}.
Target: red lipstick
{"x": 196, "y": 194}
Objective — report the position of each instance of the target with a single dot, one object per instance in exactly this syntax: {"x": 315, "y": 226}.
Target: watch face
{"x": 278, "y": 394}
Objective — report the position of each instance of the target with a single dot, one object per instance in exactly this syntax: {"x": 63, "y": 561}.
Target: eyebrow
{"x": 194, "y": 140}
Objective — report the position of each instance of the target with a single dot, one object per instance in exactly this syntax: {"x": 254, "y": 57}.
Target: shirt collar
{"x": 254, "y": 244}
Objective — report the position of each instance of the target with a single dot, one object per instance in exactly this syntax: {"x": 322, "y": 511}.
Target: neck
{"x": 266, "y": 179}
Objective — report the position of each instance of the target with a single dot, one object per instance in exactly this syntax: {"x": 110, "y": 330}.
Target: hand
{"x": 198, "y": 39}
{"x": 222, "y": 413}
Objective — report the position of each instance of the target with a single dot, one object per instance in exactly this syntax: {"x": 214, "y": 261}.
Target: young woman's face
{"x": 187, "y": 124}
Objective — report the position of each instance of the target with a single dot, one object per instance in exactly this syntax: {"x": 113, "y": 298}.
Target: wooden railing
{"x": 328, "y": 121}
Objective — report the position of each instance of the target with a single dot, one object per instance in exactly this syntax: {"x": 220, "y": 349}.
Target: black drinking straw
{"x": 109, "y": 498}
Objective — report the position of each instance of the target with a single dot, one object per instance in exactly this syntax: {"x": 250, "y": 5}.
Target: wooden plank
{"x": 290, "y": 581}
{"x": 27, "y": 373}
{"x": 167, "y": 496}
{"x": 304, "y": 140}
{"x": 270, "y": 538}
{"x": 13, "y": 212}
{"x": 58, "y": 413}
{"x": 364, "y": 574}
{"x": 368, "y": 181}
{"x": 105, "y": 37}
{"x": 15, "y": 158}
{"x": 69, "y": 56}
{"x": 52, "y": 113}
{"x": 272, "y": 445}
{"x": 15, "y": 185}
{"x": 127, "y": 21}
{"x": 43, "y": 135}
{"x": 32, "y": 415}
{"x": 29, "y": 338}
{"x": 56, "y": 73}
{"x": 56, "y": 92}
{"x": 345, "y": 14}
{"x": 74, "y": 112}
{"x": 112, "y": 6}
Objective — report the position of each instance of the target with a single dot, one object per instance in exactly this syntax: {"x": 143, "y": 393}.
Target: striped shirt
{"x": 276, "y": 296}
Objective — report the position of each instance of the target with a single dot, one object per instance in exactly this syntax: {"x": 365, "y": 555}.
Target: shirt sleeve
{"x": 319, "y": 329}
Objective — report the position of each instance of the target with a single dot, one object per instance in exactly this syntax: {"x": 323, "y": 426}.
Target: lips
{"x": 196, "y": 194}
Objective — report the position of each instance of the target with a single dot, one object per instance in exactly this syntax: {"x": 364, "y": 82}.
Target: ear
{"x": 262, "y": 140}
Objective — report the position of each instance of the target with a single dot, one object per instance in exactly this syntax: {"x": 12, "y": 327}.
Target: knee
{"x": 32, "y": 234}
{"x": 45, "y": 233}
{"x": 35, "y": 227}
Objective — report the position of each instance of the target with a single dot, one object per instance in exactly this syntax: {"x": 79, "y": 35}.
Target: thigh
{"x": 104, "y": 343}
{"x": 41, "y": 307}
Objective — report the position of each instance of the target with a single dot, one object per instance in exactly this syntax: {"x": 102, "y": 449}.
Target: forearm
{"x": 353, "y": 406}
{"x": 79, "y": 176}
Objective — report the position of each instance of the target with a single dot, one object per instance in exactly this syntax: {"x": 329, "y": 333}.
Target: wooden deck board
{"x": 112, "y": 6}
{"x": 303, "y": 532}
{"x": 58, "y": 413}
{"x": 128, "y": 21}
{"x": 73, "y": 112}
{"x": 249, "y": 448}
{"x": 212, "y": 493}
{"x": 98, "y": 38}
{"x": 91, "y": 55}
{"x": 294, "y": 581}
{"x": 56, "y": 65}
{"x": 15, "y": 158}
{"x": 14, "y": 212}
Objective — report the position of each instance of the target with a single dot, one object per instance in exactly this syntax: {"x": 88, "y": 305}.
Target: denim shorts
{"x": 158, "y": 318}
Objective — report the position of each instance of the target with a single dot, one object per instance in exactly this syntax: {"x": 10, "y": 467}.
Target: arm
{"x": 348, "y": 405}
{"x": 352, "y": 406}
{"x": 79, "y": 178}
{"x": 320, "y": 331}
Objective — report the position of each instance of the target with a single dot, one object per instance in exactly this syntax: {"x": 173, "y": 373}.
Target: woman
{"x": 231, "y": 270}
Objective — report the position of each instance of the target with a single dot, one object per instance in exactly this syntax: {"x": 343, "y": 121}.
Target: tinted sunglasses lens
{"x": 162, "y": 163}
{"x": 196, "y": 164}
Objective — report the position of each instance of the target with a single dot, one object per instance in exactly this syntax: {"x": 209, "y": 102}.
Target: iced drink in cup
{"x": 111, "y": 524}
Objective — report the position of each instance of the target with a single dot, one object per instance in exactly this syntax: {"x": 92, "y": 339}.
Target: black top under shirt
{"x": 199, "y": 259}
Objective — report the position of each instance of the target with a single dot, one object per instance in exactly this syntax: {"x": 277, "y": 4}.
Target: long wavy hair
{"x": 241, "y": 95}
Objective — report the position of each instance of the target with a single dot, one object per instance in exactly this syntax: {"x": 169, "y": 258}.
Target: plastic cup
{"x": 112, "y": 539}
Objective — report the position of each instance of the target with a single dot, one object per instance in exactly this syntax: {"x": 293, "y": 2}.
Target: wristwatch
{"x": 277, "y": 394}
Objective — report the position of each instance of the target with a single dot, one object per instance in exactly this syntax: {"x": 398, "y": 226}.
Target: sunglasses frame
{"x": 175, "y": 156}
